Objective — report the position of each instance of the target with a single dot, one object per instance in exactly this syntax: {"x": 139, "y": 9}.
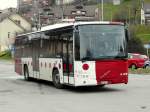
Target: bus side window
{"x": 77, "y": 46}
{"x": 64, "y": 50}
{"x": 59, "y": 51}
{"x": 68, "y": 42}
{"x": 70, "y": 49}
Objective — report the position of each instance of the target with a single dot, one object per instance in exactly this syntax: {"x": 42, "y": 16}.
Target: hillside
{"x": 146, "y": 0}
{"x": 125, "y": 11}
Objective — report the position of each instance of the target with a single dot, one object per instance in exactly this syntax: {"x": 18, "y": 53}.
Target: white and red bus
{"x": 76, "y": 54}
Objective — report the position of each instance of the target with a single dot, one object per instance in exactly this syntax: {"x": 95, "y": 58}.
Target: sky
{"x": 7, "y": 3}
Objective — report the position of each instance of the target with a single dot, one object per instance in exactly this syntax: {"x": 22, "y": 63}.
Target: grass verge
{"x": 140, "y": 71}
{"x": 5, "y": 55}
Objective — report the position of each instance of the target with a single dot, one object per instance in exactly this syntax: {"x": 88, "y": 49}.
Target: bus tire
{"x": 102, "y": 85}
{"x": 56, "y": 79}
{"x": 26, "y": 73}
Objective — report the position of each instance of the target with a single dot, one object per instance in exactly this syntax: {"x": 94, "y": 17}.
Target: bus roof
{"x": 63, "y": 25}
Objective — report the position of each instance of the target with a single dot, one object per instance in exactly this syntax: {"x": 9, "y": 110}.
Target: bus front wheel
{"x": 56, "y": 79}
{"x": 102, "y": 85}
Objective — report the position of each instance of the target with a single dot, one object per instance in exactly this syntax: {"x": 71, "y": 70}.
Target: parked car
{"x": 135, "y": 60}
{"x": 147, "y": 64}
{"x": 146, "y": 58}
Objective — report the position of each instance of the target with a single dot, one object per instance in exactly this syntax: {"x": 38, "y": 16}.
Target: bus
{"x": 75, "y": 54}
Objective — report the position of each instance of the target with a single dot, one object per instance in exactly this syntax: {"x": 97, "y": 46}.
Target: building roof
{"x": 4, "y": 16}
{"x": 61, "y": 25}
{"x": 7, "y": 14}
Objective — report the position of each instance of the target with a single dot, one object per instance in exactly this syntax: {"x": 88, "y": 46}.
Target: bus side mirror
{"x": 76, "y": 30}
{"x": 127, "y": 35}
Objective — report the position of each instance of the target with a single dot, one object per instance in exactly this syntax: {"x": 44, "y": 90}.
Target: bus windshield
{"x": 100, "y": 42}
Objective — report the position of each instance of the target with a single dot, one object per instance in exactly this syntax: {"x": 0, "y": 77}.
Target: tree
{"x": 135, "y": 45}
{"x": 135, "y": 9}
{"x": 121, "y": 15}
{"x": 129, "y": 12}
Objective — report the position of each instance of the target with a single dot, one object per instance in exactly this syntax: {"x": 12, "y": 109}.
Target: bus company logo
{"x": 85, "y": 67}
{"x": 105, "y": 74}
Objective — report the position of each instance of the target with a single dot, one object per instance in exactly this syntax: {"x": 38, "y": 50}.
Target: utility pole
{"x": 36, "y": 14}
{"x": 142, "y": 3}
{"x": 18, "y": 5}
{"x": 111, "y": 16}
{"x": 129, "y": 16}
{"x": 102, "y": 9}
{"x": 142, "y": 12}
{"x": 62, "y": 7}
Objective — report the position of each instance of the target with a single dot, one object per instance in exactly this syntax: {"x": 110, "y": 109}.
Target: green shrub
{"x": 5, "y": 55}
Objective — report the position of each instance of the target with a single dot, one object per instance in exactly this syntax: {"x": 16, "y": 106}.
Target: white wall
{"x": 142, "y": 16}
{"x": 9, "y": 26}
{"x": 24, "y": 23}
{"x": 116, "y": 2}
{"x": 5, "y": 27}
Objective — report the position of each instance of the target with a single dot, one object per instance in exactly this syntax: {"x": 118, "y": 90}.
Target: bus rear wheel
{"x": 56, "y": 79}
{"x": 26, "y": 73}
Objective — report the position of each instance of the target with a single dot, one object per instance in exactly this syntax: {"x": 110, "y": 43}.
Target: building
{"x": 72, "y": 12}
{"x": 60, "y": 2}
{"x": 116, "y": 2}
{"x": 32, "y": 9}
{"x": 59, "y": 13}
{"x": 11, "y": 24}
{"x": 43, "y": 12}
{"x": 145, "y": 14}
{"x": 13, "y": 10}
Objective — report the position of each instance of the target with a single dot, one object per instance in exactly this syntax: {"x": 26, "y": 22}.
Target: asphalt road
{"x": 17, "y": 95}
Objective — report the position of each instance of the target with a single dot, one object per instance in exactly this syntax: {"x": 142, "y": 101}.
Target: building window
{"x": 18, "y": 22}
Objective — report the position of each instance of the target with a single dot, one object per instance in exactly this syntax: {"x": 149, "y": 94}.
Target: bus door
{"x": 68, "y": 59}
{"x": 35, "y": 57}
